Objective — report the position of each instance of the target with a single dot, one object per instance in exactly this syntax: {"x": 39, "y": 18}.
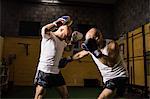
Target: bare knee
{"x": 102, "y": 96}
{"x": 39, "y": 92}
{"x": 106, "y": 94}
{"x": 64, "y": 95}
{"x": 63, "y": 91}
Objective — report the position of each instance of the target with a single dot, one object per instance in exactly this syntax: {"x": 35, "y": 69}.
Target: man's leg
{"x": 63, "y": 91}
{"x": 109, "y": 89}
{"x": 106, "y": 94}
{"x": 39, "y": 92}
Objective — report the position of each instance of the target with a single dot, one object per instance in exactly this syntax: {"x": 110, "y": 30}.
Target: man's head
{"x": 63, "y": 32}
{"x": 64, "y": 28}
{"x": 95, "y": 34}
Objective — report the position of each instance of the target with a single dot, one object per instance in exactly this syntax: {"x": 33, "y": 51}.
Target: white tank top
{"x": 51, "y": 53}
{"x": 118, "y": 70}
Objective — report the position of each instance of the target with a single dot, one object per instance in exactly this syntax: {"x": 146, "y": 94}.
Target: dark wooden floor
{"x": 75, "y": 92}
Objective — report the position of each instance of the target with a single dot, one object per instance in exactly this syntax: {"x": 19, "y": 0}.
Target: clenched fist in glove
{"x": 91, "y": 45}
{"x": 76, "y": 36}
{"x": 64, "y": 20}
{"x": 64, "y": 61}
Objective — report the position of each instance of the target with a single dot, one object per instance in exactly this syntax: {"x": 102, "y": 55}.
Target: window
{"x": 29, "y": 28}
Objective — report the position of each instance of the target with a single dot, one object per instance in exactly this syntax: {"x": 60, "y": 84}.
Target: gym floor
{"x": 75, "y": 92}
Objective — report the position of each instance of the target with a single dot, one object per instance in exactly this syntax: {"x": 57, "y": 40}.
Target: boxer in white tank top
{"x": 52, "y": 46}
{"x": 105, "y": 53}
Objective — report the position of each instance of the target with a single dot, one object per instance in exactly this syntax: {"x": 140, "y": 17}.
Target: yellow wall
{"x": 23, "y": 68}
{"x": 147, "y": 37}
{"x": 138, "y": 68}
{"x": 1, "y": 46}
{"x": 76, "y": 72}
{"x": 138, "y": 72}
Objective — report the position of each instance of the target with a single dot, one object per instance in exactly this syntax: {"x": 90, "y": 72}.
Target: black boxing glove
{"x": 64, "y": 61}
{"x": 91, "y": 45}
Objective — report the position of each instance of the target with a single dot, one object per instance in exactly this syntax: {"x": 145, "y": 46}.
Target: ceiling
{"x": 76, "y": 1}
{"x": 93, "y": 1}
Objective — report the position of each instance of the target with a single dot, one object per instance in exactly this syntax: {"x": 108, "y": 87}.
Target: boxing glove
{"x": 76, "y": 36}
{"x": 91, "y": 45}
{"x": 64, "y": 20}
{"x": 58, "y": 23}
{"x": 64, "y": 61}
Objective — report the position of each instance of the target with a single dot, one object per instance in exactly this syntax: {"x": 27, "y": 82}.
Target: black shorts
{"x": 117, "y": 84}
{"x": 48, "y": 79}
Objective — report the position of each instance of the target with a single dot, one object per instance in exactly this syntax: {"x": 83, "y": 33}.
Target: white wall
{"x": 1, "y": 46}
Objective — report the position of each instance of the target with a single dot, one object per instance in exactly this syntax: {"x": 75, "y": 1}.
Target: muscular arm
{"x": 80, "y": 54}
{"x": 113, "y": 52}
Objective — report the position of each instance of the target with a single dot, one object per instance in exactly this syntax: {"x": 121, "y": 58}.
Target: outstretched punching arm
{"x": 64, "y": 61}
{"x": 80, "y": 54}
